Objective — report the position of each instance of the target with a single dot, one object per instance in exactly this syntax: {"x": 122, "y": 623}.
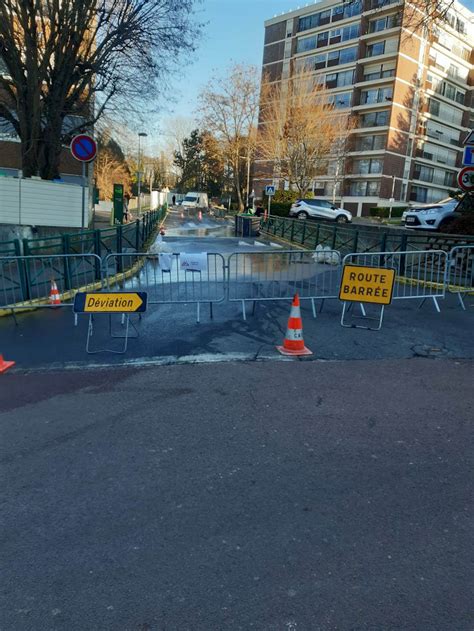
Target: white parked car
{"x": 319, "y": 209}
{"x": 430, "y": 216}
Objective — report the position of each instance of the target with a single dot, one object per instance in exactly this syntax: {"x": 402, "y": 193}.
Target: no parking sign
{"x": 83, "y": 148}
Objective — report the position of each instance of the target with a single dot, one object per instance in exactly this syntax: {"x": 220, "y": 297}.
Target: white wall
{"x": 40, "y": 203}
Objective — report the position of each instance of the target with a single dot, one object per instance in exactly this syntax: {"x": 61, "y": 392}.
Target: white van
{"x": 195, "y": 200}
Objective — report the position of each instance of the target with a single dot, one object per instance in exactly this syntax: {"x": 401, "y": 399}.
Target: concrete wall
{"x": 32, "y": 202}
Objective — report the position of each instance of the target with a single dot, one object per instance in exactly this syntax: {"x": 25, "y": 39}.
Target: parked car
{"x": 431, "y": 216}
{"x": 319, "y": 209}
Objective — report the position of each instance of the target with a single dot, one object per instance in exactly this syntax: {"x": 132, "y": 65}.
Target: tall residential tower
{"x": 409, "y": 88}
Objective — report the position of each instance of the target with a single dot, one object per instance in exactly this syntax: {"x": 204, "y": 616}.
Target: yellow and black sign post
{"x": 123, "y": 303}
{"x": 363, "y": 284}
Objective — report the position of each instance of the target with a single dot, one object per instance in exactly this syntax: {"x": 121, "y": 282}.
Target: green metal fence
{"x": 350, "y": 239}
{"x": 101, "y": 242}
{"x": 126, "y": 238}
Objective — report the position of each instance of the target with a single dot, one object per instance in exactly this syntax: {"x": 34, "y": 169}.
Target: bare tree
{"x": 339, "y": 151}
{"x": 228, "y": 109}
{"x": 67, "y": 61}
{"x": 299, "y": 126}
{"x": 109, "y": 171}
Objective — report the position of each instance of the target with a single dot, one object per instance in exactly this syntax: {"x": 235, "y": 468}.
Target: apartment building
{"x": 408, "y": 89}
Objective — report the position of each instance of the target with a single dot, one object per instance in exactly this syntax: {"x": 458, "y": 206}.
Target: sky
{"x": 233, "y": 32}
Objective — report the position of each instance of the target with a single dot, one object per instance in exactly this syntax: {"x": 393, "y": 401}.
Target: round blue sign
{"x": 83, "y": 148}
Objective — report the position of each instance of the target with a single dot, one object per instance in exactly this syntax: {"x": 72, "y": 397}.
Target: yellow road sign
{"x": 367, "y": 284}
{"x": 121, "y": 302}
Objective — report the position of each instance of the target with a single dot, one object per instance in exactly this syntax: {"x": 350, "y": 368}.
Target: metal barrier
{"x": 166, "y": 280}
{"x": 25, "y": 281}
{"x": 460, "y": 275}
{"x": 419, "y": 275}
{"x": 278, "y": 275}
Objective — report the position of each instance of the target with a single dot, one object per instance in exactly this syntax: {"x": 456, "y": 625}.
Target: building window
{"x": 371, "y": 143}
{"x": 342, "y": 11}
{"x": 382, "y": 24}
{"x": 418, "y": 194}
{"x": 437, "y": 154}
{"x": 378, "y": 4}
{"x": 375, "y": 49}
{"x": 423, "y": 173}
{"x": 377, "y": 95}
{"x": 365, "y": 189}
{"x": 441, "y": 133}
{"x": 446, "y": 89}
{"x": 447, "y": 113}
{"x": 375, "y": 119}
{"x": 341, "y": 100}
{"x": 368, "y": 166}
{"x": 323, "y": 39}
{"x": 379, "y": 71}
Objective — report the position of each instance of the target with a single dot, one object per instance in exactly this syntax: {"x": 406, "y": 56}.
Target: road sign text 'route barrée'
{"x": 367, "y": 284}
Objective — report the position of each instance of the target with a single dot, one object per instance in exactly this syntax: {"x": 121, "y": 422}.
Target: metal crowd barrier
{"x": 278, "y": 275}
{"x": 460, "y": 276}
{"x": 419, "y": 275}
{"x": 25, "y": 281}
{"x": 166, "y": 279}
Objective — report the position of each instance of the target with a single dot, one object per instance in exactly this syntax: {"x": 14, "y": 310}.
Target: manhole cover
{"x": 425, "y": 350}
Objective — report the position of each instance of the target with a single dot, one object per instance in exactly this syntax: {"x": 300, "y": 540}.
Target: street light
{"x": 140, "y": 136}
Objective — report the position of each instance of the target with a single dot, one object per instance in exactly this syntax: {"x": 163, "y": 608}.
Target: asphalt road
{"x": 269, "y": 496}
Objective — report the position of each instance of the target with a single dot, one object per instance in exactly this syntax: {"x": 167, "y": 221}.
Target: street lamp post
{"x": 141, "y": 135}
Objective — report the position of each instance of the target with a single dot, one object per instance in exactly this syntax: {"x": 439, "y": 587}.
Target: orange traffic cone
{"x": 293, "y": 344}
{"x": 4, "y": 365}
{"x": 200, "y": 215}
{"x": 54, "y": 298}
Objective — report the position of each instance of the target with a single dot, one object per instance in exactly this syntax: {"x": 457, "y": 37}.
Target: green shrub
{"x": 280, "y": 209}
{"x": 384, "y": 212}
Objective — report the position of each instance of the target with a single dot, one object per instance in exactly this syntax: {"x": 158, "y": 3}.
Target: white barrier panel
{"x": 419, "y": 275}
{"x": 266, "y": 276}
{"x": 460, "y": 277}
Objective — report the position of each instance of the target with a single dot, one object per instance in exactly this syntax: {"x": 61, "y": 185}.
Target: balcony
{"x": 441, "y": 179}
{"x": 379, "y": 4}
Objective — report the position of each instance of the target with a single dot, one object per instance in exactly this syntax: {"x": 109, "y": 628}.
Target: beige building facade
{"x": 410, "y": 92}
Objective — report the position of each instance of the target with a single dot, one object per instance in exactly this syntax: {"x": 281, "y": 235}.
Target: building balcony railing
{"x": 442, "y": 179}
{"x": 379, "y": 4}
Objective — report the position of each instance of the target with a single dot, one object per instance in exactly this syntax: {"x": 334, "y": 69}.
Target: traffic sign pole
{"x": 84, "y": 149}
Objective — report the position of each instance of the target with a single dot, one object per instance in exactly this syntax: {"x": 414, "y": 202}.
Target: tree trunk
{"x": 237, "y": 186}
{"x": 50, "y": 150}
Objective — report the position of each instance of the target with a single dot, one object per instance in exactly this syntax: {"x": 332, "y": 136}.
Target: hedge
{"x": 384, "y": 212}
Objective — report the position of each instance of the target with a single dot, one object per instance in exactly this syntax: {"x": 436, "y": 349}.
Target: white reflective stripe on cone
{"x": 295, "y": 312}
{"x": 294, "y": 335}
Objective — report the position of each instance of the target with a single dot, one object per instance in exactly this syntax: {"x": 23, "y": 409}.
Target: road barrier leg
{"x": 243, "y": 311}
{"x": 198, "y": 312}
{"x": 461, "y": 300}
{"x": 313, "y": 307}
